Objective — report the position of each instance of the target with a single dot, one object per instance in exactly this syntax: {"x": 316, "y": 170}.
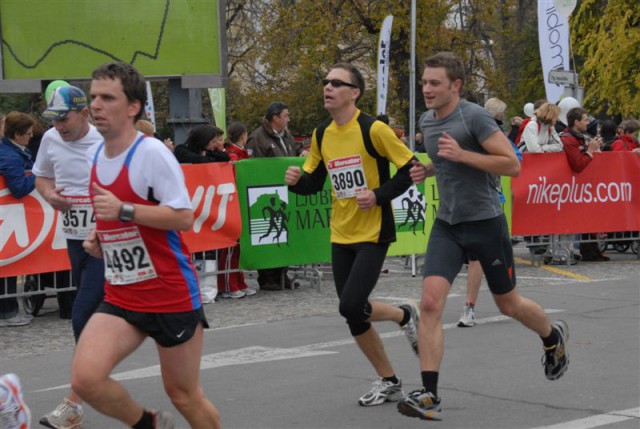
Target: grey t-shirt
{"x": 466, "y": 193}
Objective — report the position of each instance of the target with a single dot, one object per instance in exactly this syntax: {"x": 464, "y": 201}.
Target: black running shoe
{"x": 421, "y": 404}
{"x": 556, "y": 359}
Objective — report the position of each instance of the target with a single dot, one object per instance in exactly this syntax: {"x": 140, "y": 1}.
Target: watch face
{"x": 126, "y": 213}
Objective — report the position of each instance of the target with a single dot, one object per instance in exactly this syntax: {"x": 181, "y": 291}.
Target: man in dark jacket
{"x": 15, "y": 158}
{"x": 270, "y": 140}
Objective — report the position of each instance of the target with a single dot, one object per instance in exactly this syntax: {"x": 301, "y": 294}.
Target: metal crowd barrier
{"x": 558, "y": 249}
{"x": 207, "y": 266}
{"x": 33, "y": 289}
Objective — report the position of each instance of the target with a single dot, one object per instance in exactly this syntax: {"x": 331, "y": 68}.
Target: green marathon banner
{"x": 280, "y": 228}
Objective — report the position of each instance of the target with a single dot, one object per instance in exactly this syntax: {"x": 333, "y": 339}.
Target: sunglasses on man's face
{"x": 337, "y": 83}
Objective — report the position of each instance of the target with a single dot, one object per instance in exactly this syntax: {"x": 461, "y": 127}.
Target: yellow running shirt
{"x": 350, "y": 167}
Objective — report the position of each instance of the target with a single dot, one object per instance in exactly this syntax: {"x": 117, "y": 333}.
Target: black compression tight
{"x": 356, "y": 269}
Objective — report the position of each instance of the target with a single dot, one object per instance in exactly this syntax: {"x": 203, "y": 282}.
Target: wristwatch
{"x": 126, "y": 212}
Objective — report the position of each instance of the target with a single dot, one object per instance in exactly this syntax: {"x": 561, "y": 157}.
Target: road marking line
{"x": 246, "y": 355}
{"x": 597, "y": 420}
{"x": 257, "y": 354}
{"x": 555, "y": 270}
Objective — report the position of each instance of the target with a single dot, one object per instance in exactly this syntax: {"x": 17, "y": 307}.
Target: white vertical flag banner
{"x": 383, "y": 64}
{"x": 149, "y": 110}
{"x": 553, "y": 34}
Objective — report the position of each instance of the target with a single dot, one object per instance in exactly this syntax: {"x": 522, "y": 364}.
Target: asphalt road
{"x": 286, "y": 360}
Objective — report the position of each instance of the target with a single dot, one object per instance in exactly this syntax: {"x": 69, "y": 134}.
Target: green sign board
{"x": 68, "y": 39}
{"x": 280, "y": 228}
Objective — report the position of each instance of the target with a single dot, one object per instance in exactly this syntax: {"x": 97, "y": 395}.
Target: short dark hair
{"x": 17, "y": 123}
{"x": 133, "y": 83}
{"x": 574, "y": 115}
{"x": 356, "y": 76}
{"x": 235, "y": 130}
{"x": 200, "y": 137}
{"x": 608, "y": 129}
{"x": 274, "y": 109}
{"x": 451, "y": 63}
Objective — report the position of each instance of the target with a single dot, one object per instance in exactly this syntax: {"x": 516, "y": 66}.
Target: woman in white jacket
{"x": 539, "y": 134}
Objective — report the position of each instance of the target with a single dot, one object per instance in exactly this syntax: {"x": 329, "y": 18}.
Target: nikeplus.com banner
{"x": 549, "y": 198}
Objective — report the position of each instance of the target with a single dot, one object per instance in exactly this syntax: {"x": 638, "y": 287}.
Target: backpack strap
{"x": 320, "y": 133}
{"x": 365, "y": 121}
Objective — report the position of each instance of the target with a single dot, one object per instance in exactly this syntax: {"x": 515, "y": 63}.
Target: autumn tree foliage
{"x": 605, "y": 35}
{"x": 280, "y": 50}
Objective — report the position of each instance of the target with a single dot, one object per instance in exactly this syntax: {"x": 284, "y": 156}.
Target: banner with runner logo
{"x": 31, "y": 232}
{"x": 279, "y": 227}
{"x": 414, "y": 213}
{"x": 551, "y": 199}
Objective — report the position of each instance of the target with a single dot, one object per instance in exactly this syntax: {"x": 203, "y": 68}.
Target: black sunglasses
{"x": 337, "y": 83}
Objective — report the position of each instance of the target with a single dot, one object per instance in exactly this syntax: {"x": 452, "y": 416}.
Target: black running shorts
{"x": 487, "y": 241}
{"x": 167, "y": 329}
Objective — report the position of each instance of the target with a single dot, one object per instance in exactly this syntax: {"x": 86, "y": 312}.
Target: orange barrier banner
{"x": 549, "y": 198}
{"x": 31, "y": 241}
{"x": 214, "y": 198}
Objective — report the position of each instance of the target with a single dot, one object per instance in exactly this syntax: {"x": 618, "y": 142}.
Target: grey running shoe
{"x": 420, "y": 404}
{"x": 17, "y": 320}
{"x": 65, "y": 416}
{"x": 162, "y": 420}
{"x": 555, "y": 358}
{"x": 410, "y": 329}
{"x": 468, "y": 318}
{"x": 381, "y": 392}
{"x": 14, "y": 413}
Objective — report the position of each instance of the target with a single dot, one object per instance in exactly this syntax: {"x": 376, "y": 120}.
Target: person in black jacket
{"x": 15, "y": 158}
{"x": 204, "y": 144}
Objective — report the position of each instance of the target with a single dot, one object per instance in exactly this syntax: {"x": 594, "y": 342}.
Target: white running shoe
{"x": 381, "y": 392}
{"x": 67, "y": 415}
{"x": 14, "y": 413}
{"x": 233, "y": 295}
{"x": 248, "y": 291}
{"x": 468, "y": 317}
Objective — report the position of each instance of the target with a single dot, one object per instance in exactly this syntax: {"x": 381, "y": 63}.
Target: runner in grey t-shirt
{"x": 467, "y": 150}
{"x": 466, "y": 193}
